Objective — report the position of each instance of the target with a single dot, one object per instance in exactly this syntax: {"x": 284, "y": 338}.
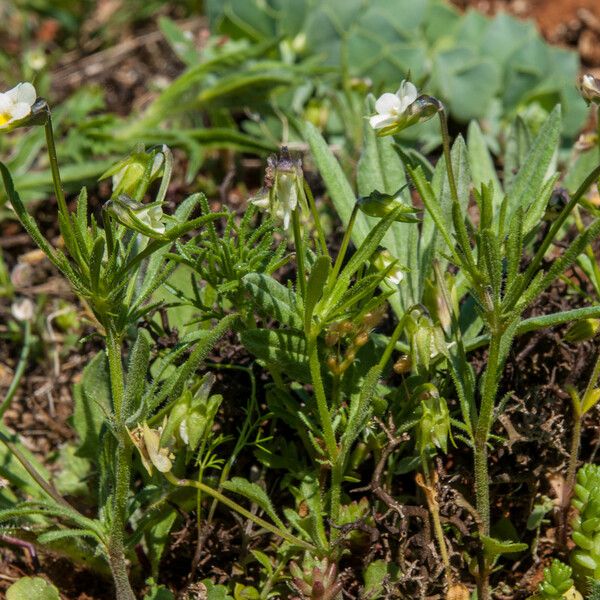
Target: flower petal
{"x": 6, "y": 103}
{"x": 407, "y": 93}
{"x": 381, "y": 121}
{"x": 20, "y": 111}
{"x": 387, "y": 104}
{"x": 25, "y": 92}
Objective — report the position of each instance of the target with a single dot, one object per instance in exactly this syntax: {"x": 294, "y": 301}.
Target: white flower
{"x": 283, "y": 189}
{"x": 287, "y": 194}
{"x": 23, "y": 309}
{"x": 391, "y": 107}
{"x": 15, "y": 105}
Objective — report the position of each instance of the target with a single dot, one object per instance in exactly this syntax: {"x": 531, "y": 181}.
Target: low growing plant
{"x": 457, "y": 274}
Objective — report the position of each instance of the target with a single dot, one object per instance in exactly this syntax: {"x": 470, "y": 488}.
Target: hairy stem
{"x": 482, "y": 431}
{"x": 116, "y": 543}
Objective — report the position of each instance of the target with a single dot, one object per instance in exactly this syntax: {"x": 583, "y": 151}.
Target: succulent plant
{"x": 585, "y": 559}
{"x": 558, "y": 583}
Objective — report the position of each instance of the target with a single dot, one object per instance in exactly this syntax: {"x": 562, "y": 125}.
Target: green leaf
{"x": 528, "y": 183}
{"x": 137, "y": 373}
{"x": 273, "y": 299}
{"x": 245, "y": 592}
{"x": 314, "y": 288}
{"x": 256, "y": 495}
{"x": 481, "y": 164}
{"x": 183, "y": 46}
{"x": 494, "y": 548}
{"x": 466, "y": 81}
{"x": 283, "y": 349}
{"x": 92, "y": 397}
{"x": 28, "y": 588}
{"x": 438, "y": 201}
{"x": 536, "y": 209}
{"x": 376, "y": 573}
{"x": 340, "y": 191}
{"x": 158, "y": 537}
{"x": 61, "y": 534}
{"x": 514, "y": 246}
{"x": 518, "y": 144}
{"x": 174, "y": 386}
{"x": 72, "y": 473}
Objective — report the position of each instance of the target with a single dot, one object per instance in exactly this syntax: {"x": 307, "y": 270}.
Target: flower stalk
{"x": 116, "y": 544}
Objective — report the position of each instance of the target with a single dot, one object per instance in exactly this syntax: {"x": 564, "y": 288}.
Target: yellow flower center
{"x": 4, "y": 118}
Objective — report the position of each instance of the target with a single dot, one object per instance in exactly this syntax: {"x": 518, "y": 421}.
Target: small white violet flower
{"x": 391, "y": 107}
{"x": 23, "y": 309}
{"x": 283, "y": 190}
{"x": 15, "y": 105}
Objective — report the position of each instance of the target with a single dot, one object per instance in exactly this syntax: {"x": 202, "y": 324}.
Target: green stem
{"x": 447, "y": 156}
{"x": 45, "y": 485}
{"x": 344, "y": 246}
{"x": 58, "y": 186}
{"x": 322, "y": 407}
{"x": 14, "y": 384}
{"x": 315, "y": 215}
{"x": 116, "y": 541}
{"x": 337, "y": 476}
{"x": 299, "y": 243}
{"x": 434, "y": 510}
{"x": 285, "y": 535}
{"x": 482, "y": 431}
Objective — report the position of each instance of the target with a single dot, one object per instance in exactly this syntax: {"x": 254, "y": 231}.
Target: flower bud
{"x": 361, "y": 339}
{"x": 143, "y": 218}
{"x": 378, "y": 204}
{"x": 590, "y": 89}
{"x": 346, "y": 327}
{"x": 133, "y": 175}
{"x": 582, "y": 330}
{"x": 403, "y": 365}
{"x": 332, "y": 364}
{"x": 192, "y": 415}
